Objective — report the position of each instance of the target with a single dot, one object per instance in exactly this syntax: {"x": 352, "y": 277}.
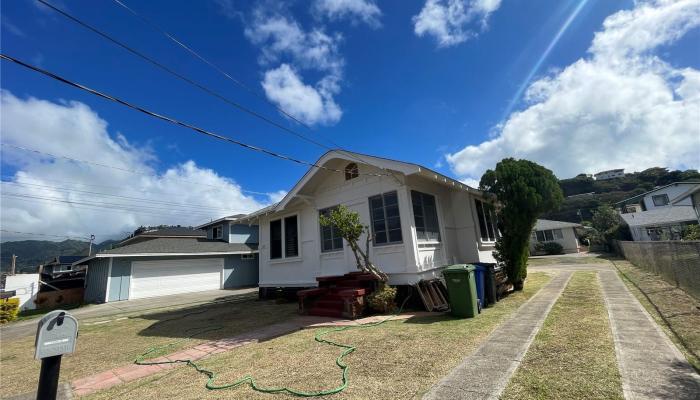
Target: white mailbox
{"x": 56, "y": 335}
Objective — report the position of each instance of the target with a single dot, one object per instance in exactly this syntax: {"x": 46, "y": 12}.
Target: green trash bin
{"x": 461, "y": 289}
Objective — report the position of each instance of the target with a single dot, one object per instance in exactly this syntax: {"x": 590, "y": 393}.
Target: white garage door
{"x": 164, "y": 277}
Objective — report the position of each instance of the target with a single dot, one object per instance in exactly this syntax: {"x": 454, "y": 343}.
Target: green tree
{"x": 605, "y": 222}
{"x": 348, "y": 224}
{"x": 524, "y": 190}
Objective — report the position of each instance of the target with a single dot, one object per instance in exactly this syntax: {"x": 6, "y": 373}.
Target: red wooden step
{"x": 326, "y": 312}
{"x": 329, "y": 304}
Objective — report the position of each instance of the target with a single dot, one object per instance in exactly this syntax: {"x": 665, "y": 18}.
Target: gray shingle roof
{"x": 182, "y": 246}
{"x": 660, "y": 216}
{"x": 544, "y": 224}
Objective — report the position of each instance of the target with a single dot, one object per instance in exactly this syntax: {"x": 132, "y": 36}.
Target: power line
{"x": 172, "y": 120}
{"x": 44, "y": 234}
{"x": 202, "y": 87}
{"x": 183, "y": 77}
{"x": 71, "y": 190}
{"x": 122, "y": 206}
{"x": 103, "y": 207}
{"x": 143, "y": 173}
{"x": 187, "y": 48}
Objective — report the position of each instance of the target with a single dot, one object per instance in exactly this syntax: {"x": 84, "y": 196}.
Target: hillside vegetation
{"x": 31, "y": 253}
{"x": 588, "y": 194}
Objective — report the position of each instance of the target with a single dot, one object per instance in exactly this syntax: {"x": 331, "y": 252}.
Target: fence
{"x": 677, "y": 262}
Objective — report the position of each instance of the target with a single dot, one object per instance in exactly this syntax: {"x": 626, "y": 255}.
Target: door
{"x": 165, "y": 277}
{"x": 119, "y": 279}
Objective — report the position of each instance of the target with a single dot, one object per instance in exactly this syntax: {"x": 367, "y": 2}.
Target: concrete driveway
{"x": 96, "y": 312}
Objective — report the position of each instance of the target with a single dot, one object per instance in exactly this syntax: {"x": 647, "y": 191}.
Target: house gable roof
{"x": 175, "y": 247}
{"x": 545, "y": 224}
{"x": 687, "y": 193}
{"x": 388, "y": 166}
{"x": 660, "y": 216}
{"x": 654, "y": 190}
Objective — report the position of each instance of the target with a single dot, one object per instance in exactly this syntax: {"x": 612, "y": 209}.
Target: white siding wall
{"x": 569, "y": 241}
{"x": 404, "y": 262}
{"x": 27, "y": 287}
{"x": 672, "y": 192}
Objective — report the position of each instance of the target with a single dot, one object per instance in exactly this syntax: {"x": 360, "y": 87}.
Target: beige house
{"x": 560, "y": 232}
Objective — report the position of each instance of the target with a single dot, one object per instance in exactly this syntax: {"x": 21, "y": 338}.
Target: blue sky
{"x": 433, "y": 82}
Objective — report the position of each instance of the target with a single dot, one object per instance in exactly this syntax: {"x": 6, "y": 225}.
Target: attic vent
{"x": 351, "y": 171}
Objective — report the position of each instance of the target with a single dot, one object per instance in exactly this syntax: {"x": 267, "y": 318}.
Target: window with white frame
{"x": 386, "y": 221}
{"x": 660, "y": 200}
{"x": 487, "y": 221}
{"x": 217, "y": 232}
{"x": 425, "y": 216}
{"x": 330, "y": 236}
{"x": 549, "y": 235}
{"x": 284, "y": 237}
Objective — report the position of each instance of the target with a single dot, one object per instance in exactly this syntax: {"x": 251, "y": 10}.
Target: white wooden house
{"x": 421, "y": 220}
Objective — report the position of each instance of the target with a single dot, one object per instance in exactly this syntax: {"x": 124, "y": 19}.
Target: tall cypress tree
{"x": 525, "y": 190}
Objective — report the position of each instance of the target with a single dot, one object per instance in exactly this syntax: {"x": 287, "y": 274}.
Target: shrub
{"x": 383, "y": 299}
{"x": 552, "y": 248}
{"x": 691, "y": 232}
{"x": 9, "y": 308}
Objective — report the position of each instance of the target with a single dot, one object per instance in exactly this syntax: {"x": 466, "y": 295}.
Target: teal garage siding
{"x": 239, "y": 272}
{"x": 119, "y": 280}
{"x": 96, "y": 280}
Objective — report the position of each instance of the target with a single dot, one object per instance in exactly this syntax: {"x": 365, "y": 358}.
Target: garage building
{"x": 163, "y": 266}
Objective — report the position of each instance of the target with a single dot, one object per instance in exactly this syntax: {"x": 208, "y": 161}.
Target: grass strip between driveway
{"x": 399, "y": 359}
{"x": 573, "y": 355}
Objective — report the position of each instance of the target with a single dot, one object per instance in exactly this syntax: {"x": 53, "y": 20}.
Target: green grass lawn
{"x": 672, "y": 308}
{"x": 399, "y": 359}
{"x": 573, "y": 355}
{"x": 103, "y": 346}
{"x": 564, "y": 259}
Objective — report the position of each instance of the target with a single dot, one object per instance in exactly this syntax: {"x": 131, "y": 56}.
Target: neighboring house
{"x": 171, "y": 232}
{"x": 609, "y": 174}
{"x": 60, "y": 264}
{"x": 692, "y": 194}
{"x": 421, "y": 221}
{"x": 666, "y": 223}
{"x": 662, "y": 213}
{"x": 659, "y": 197}
{"x": 560, "y": 232}
{"x": 170, "y": 265}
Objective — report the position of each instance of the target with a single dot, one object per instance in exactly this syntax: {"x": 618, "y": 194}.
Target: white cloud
{"x": 284, "y": 42}
{"x": 313, "y": 105}
{"x": 622, "y": 107}
{"x": 450, "y": 21}
{"x": 355, "y": 10}
{"x": 184, "y": 194}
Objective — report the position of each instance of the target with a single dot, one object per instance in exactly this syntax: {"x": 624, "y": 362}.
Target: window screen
{"x": 276, "y": 239}
{"x": 291, "y": 237}
{"x": 425, "y": 215}
{"x": 386, "y": 221}
{"x": 330, "y": 237}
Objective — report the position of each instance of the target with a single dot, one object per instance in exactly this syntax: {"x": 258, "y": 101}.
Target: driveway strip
{"x": 486, "y": 372}
{"x": 650, "y": 364}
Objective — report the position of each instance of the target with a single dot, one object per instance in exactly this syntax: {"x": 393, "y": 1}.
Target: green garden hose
{"x": 211, "y": 385}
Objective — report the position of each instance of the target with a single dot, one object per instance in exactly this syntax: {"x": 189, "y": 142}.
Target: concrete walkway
{"x": 650, "y": 364}
{"x": 485, "y": 373}
{"x": 20, "y": 329}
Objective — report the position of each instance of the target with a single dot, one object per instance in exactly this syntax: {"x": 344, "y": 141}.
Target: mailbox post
{"x": 55, "y": 336}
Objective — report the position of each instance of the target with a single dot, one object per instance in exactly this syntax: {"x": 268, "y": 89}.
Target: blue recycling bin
{"x": 480, "y": 277}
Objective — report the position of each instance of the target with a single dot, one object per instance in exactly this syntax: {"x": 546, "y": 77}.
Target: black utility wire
{"x": 169, "y": 119}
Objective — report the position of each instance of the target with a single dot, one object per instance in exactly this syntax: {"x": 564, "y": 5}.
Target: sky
{"x": 455, "y": 85}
